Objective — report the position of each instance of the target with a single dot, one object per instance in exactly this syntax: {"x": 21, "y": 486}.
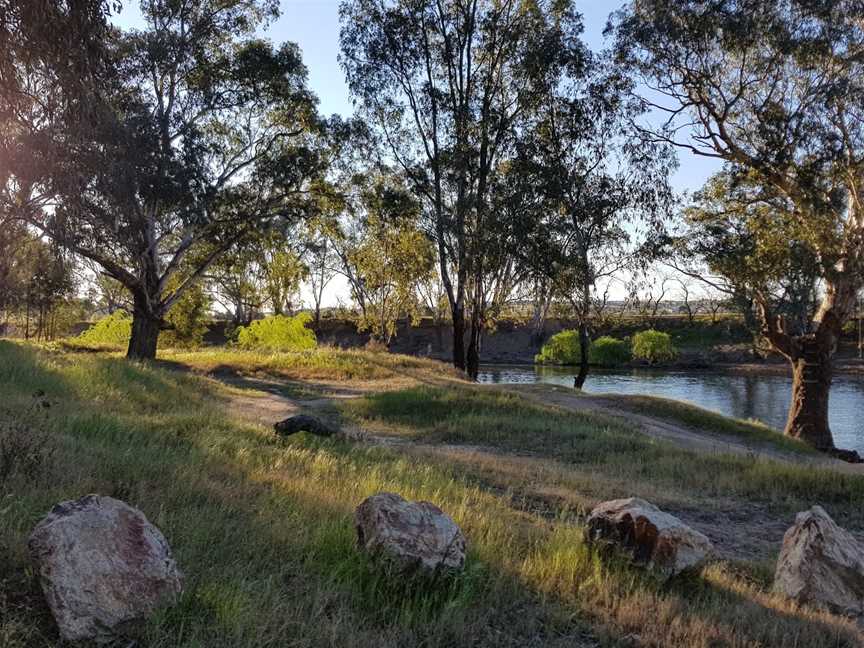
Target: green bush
{"x": 113, "y": 330}
{"x": 278, "y": 333}
{"x": 186, "y": 321}
{"x": 653, "y": 346}
{"x": 561, "y": 349}
{"x": 609, "y": 352}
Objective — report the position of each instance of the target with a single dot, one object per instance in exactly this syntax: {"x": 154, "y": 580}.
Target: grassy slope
{"x": 707, "y": 421}
{"x": 325, "y": 363}
{"x": 624, "y": 461}
{"x": 263, "y": 528}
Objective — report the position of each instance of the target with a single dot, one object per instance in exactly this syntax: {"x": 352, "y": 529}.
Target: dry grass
{"x": 263, "y": 527}
{"x": 324, "y": 363}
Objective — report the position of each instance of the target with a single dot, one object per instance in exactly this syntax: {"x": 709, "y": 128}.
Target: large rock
{"x": 304, "y": 423}
{"x": 101, "y": 565}
{"x": 652, "y": 537}
{"x": 821, "y": 564}
{"x": 415, "y": 535}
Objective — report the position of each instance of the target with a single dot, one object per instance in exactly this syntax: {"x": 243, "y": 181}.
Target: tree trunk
{"x": 811, "y": 386}
{"x": 584, "y": 343}
{"x": 811, "y": 358}
{"x": 459, "y": 338}
{"x": 473, "y": 365}
{"x": 145, "y": 333}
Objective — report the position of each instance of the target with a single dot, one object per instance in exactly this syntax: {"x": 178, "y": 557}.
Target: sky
{"x": 314, "y": 26}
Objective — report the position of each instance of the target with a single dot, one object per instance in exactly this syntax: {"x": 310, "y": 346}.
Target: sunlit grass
{"x": 707, "y": 421}
{"x": 601, "y": 445}
{"x": 263, "y": 527}
{"x": 324, "y": 363}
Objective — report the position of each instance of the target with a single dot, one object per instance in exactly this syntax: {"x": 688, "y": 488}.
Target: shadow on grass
{"x": 263, "y": 529}
{"x": 251, "y": 536}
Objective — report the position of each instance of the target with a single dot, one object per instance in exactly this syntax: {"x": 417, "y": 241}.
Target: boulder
{"x": 821, "y": 564}
{"x": 304, "y": 423}
{"x": 414, "y": 535}
{"x": 101, "y": 565}
{"x": 652, "y": 537}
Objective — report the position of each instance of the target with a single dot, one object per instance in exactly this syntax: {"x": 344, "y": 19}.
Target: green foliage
{"x": 608, "y": 351}
{"x": 653, "y": 346}
{"x": 386, "y": 257}
{"x": 186, "y": 320}
{"x": 278, "y": 333}
{"x": 113, "y": 330}
{"x": 561, "y": 349}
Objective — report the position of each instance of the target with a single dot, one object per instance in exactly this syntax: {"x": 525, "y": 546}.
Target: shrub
{"x": 653, "y": 346}
{"x": 186, "y": 320}
{"x": 113, "y": 330}
{"x": 278, "y": 333}
{"x": 609, "y": 352}
{"x": 561, "y": 349}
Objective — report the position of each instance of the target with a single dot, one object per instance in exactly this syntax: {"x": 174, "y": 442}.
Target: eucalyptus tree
{"x": 600, "y": 194}
{"x": 263, "y": 270}
{"x": 383, "y": 254}
{"x": 744, "y": 244}
{"x": 322, "y": 262}
{"x": 51, "y": 53}
{"x": 202, "y": 134}
{"x": 774, "y": 89}
{"x": 445, "y": 83}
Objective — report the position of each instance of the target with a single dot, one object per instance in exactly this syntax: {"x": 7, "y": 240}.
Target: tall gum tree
{"x": 774, "y": 89}
{"x": 600, "y": 195}
{"x": 200, "y": 134}
{"x": 445, "y": 84}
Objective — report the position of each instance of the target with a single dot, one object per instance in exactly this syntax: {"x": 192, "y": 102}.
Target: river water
{"x": 761, "y": 397}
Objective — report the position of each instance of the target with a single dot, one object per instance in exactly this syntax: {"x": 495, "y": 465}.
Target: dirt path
{"x": 738, "y": 529}
{"x": 676, "y": 433}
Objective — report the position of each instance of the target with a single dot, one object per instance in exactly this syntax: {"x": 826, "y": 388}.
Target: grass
{"x": 262, "y": 527}
{"x": 627, "y": 461}
{"x": 323, "y": 363}
{"x": 753, "y": 432}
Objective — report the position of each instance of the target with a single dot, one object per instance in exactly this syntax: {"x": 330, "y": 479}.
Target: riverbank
{"x": 773, "y": 366}
{"x": 262, "y": 527}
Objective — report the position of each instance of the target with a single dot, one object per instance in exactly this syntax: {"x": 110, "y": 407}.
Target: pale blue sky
{"x": 314, "y": 26}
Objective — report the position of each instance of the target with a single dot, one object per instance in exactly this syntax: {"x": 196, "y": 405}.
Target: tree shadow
{"x": 254, "y": 519}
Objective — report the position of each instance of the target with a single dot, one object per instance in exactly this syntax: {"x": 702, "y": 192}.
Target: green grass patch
{"x": 263, "y": 527}
{"x": 606, "y": 446}
{"x": 704, "y": 420}
{"x": 323, "y": 363}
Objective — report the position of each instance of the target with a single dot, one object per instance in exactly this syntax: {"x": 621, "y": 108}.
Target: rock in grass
{"x": 652, "y": 537}
{"x": 821, "y": 564}
{"x": 102, "y": 565}
{"x": 304, "y": 423}
{"x": 417, "y": 536}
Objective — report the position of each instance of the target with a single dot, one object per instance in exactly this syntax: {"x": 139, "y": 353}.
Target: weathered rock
{"x": 821, "y": 564}
{"x": 653, "y": 537}
{"x": 101, "y": 565}
{"x": 415, "y": 535}
{"x": 304, "y": 423}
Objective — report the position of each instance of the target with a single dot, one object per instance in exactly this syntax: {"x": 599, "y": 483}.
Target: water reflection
{"x": 749, "y": 396}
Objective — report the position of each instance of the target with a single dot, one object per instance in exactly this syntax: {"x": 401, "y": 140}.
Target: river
{"x": 761, "y": 397}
